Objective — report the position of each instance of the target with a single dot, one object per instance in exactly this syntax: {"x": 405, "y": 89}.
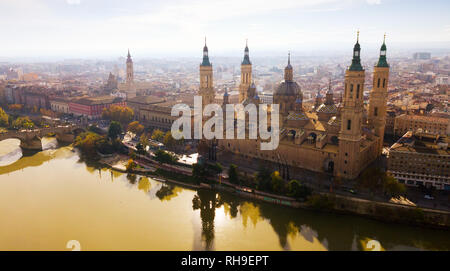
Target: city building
{"x": 60, "y": 105}
{"x": 422, "y": 55}
{"x": 421, "y": 159}
{"x": 426, "y": 124}
{"x": 92, "y": 107}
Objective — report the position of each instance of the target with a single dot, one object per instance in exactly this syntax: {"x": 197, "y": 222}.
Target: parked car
{"x": 429, "y": 197}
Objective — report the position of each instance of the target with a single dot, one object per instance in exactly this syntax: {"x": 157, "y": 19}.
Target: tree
{"x": 131, "y": 165}
{"x": 4, "y": 118}
{"x": 135, "y": 127}
{"x": 158, "y": 135}
{"x": 392, "y": 187}
{"x": 372, "y": 178}
{"x": 198, "y": 171}
{"x": 122, "y": 114}
{"x": 233, "y": 174}
{"x": 298, "y": 190}
{"x": 23, "y": 123}
{"x": 89, "y": 142}
{"x": 115, "y": 129}
{"x": 15, "y": 107}
{"x": 168, "y": 140}
{"x": 277, "y": 182}
{"x": 140, "y": 149}
{"x": 143, "y": 140}
{"x": 263, "y": 178}
{"x": 216, "y": 168}
{"x": 165, "y": 157}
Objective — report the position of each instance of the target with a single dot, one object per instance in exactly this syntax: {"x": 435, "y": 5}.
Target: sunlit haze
{"x": 100, "y": 28}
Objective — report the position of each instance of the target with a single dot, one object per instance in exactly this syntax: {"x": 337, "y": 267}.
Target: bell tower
{"x": 131, "y": 91}
{"x": 246, "y": 75}
{"x": 378, "y": 96}
{"x": 351, "y": 117}
{"x": 206, "y": 89}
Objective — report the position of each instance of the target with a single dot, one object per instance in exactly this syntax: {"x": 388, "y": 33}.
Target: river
{"x": 51, "y": 197}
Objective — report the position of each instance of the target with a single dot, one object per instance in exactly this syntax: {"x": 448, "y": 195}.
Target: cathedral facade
{"x": 330, "y": 138}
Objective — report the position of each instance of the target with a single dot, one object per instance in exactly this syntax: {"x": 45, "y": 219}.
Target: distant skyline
{"x": 107, "y": 28}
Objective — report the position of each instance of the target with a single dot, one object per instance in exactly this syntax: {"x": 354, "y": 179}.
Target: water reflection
{"x": 207, "y": 202}
{"x": 68, "y": 197}
{"x": 332, "y": 231}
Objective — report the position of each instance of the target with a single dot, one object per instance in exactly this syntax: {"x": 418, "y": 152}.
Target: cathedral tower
{"x": 378, "y": 96}
{"x": 351, "y": 117}
{"x": 246, "y": 76}
{"x": 206, "y": 89}
{"x": 131, "y": 90}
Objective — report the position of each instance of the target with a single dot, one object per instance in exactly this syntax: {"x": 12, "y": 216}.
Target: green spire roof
{"x": 382, "y": 62}
{"x": 246, "y": 60}
{"x": 205, "y": 61}
{"x": 356, "y": 61}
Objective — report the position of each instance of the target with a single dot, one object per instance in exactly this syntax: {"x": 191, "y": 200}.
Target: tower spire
{"x": 356, "y": 61}
{"x": 288, "y": 72}
{"x": 205, "y": 61}
{"x": 246, "y": 60}
{"x": 129, "y": 56}
{"x": 382, "y": 62}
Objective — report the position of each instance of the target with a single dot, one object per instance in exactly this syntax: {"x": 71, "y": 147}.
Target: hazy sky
{"x": 87, "y": 28}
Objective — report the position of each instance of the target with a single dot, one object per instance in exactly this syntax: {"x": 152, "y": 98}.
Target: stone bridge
{"x": 31, "y": 139}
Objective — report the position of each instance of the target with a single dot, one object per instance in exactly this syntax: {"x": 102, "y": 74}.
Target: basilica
{"x": 336, "y": 139}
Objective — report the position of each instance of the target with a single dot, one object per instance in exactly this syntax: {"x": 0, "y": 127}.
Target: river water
{"x": 51, "y": 197}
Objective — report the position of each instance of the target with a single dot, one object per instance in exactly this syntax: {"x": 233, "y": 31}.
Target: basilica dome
{"x": 288, "y": 88}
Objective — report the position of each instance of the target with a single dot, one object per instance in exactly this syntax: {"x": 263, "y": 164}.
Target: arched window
{"x": 357, "y": 91}
{"x": 375, "y": 111}
{"x": 349, "y": 124}
{"x": 378, "y": 85}
{"x": 384, "y": 82}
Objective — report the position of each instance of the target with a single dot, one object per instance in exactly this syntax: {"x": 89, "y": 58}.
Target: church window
{"x": 349, "y": 124}
{"x": 357, "y": 91}
{"x": 375, "y": 111}
{"x": 378, "y": 85}
{"x": 384, "y": 82}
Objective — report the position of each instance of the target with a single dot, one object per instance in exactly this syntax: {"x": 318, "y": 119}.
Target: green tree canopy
{"x": 114, "y": 130}
{"x": 233, "y": 174}
{"x": 298, "y": 190}
{"x": 122, "y": 114}
{"x": 277, "y": 182}
{"x": 392, "y": 187}
{"x": 23, "y": 123}
{"x": 168, "y": 140}
{"x": 135, "y": 127}
{"x": 4, "y": 118}
{"x": 157, "y": 135}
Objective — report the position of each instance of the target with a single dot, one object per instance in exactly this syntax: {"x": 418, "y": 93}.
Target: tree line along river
{"x": 51, "y": 197}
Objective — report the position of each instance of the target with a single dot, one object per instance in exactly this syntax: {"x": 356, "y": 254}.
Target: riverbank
{"x": 323, "y": 202}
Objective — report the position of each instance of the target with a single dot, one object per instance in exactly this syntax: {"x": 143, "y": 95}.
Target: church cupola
{"x": 382, "y": 62}
{"x": 288, "y": 71}
{"x": 356, "y": 61}
{"x": 205, "y": 61}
